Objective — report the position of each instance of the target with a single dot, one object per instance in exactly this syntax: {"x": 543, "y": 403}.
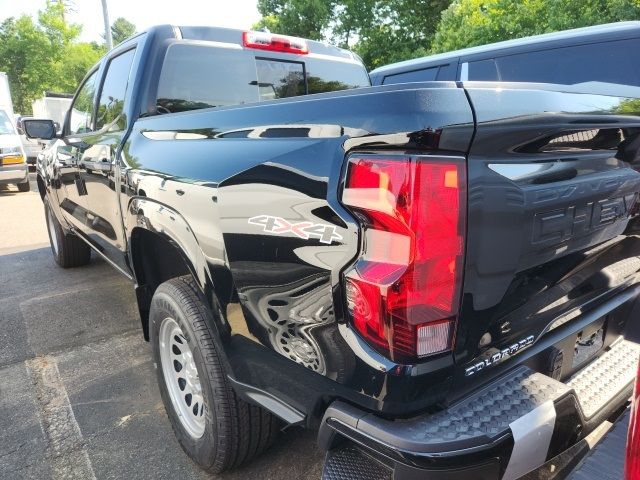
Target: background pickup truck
{"x": 439, "y": 274}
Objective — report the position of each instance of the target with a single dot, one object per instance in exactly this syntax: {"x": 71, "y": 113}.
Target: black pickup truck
{"x": 436, "y": 276}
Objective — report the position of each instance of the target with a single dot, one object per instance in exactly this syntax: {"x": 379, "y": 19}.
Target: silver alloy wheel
{"x": 181, "y": 377}
{"x": 52, "y": 231}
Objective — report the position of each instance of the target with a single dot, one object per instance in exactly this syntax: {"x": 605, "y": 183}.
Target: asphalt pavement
{"x": 78, "y": 393}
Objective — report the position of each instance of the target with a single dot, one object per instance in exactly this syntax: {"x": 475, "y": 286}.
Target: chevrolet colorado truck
{"x": 438, "y": 277}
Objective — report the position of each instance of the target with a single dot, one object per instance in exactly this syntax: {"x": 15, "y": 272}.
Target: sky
{"x": 145, "y": 13}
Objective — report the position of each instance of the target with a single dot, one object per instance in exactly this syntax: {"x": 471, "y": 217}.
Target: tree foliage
{"x": 381, "y": 31}
{"x": 25, "y": 56}
{"x": 385, "y": 31}
{"x": 121, "y": 29}
{"x": 468, "y": 23}
{"x": 301, "y": 18}
{"x": 45, "y": 55}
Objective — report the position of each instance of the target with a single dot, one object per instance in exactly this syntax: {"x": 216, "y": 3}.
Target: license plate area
{"x": 574, "y": 352}
{"x": 588, "y": 343}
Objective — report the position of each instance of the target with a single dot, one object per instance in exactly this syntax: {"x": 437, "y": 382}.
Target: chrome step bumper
{"x": 505, "y": 430}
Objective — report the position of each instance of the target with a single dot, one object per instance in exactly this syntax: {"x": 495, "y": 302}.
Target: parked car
{"x": 31, "y": 147}
{"x": 604, "y": 53}
{"x": 13, "y": 169}
{"x": 439, "y": 276}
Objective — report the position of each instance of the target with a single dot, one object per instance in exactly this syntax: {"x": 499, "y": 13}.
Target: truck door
{"x": 97, "y": 163}
{"x": 72, "y": 193}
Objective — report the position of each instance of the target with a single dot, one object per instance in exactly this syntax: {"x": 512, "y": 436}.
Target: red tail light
{"x": 275, "y": 43}
{"x": 632, "y": 471}
{"x": 403, "y": 293}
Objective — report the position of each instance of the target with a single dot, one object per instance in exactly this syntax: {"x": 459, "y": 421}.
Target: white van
{"x": 13, "y": 166}
{"x": 5, "y": 96}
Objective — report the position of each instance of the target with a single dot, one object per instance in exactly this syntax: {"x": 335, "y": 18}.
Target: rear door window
{"x": 114, "y": 87}
{"x": 483, "y": 71}
{"x": 82, "y": 107}
{"x": 423, "y": 75}
{"x": 612, "y": 62}
{"x": 447, "y": 72}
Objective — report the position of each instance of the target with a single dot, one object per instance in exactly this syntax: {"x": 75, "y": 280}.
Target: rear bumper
{"x": 503, "y": 431}
{"x": 18, "y": 173}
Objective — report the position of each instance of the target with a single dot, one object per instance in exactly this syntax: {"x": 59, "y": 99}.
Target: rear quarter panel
{"x": 258, "y": 187}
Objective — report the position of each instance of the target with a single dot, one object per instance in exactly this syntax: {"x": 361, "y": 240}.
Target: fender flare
{"x": 162, "y": 220}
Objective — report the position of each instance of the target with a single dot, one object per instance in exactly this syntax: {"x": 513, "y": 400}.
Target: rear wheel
{"x": 68, "y": 250}
{"x": 24, "y": 187}
{"x": 215, "y": 428}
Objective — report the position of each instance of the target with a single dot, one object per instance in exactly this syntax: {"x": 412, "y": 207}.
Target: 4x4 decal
{"x": 305, "y": 230}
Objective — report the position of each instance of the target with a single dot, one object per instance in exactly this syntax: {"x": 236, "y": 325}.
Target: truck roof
{"x": 576, "y": 35}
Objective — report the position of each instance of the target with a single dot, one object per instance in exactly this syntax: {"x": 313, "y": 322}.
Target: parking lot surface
{"x": 78, "y": 393}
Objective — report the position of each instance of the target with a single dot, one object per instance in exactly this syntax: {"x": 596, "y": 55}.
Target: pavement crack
{"x": 14, "y": 450}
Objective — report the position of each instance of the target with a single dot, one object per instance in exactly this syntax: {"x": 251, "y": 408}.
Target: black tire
{"x": 68, "y": 250}
{"x": 235, "y": 431}
{"x": 24, "y": 187}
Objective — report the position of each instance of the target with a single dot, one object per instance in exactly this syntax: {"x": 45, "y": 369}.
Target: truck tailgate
{"x": 551, "y": 230}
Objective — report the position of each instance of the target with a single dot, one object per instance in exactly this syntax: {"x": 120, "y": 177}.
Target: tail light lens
{"x": 632, "y": 470}
{"x": 403, "y": 292}
{"x": 275, "y": 43}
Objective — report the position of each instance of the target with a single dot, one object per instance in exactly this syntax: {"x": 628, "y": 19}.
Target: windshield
{"x": 6, "y": 127}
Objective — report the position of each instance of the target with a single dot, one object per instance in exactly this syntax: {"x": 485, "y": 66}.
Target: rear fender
{"x": 159, "y": 220}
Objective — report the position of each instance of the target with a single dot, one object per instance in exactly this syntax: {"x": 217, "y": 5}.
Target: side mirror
{"x": 40, "y": 129}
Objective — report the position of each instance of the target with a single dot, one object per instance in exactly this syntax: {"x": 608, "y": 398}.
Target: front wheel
{"x": 215, "y": 428}
{"x": 68, "y": 250}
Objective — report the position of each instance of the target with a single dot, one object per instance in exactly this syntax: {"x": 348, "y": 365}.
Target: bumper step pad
{"x": 612, "y": 372}
{"x": 520, "y": 405}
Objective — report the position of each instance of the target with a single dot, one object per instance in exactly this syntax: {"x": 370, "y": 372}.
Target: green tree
{"x": 468, "y": 23}
{"x": 121, "y": 29}
{"x": 78, "y": 59}
{"x": 380, "y": 31}
{"x": 44, "y": 55}
{"x": 25, "y": 53}
{"x": 383, "y": 32}
{"x": 300, "y": 18}
{"x": 60, "y": 33}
